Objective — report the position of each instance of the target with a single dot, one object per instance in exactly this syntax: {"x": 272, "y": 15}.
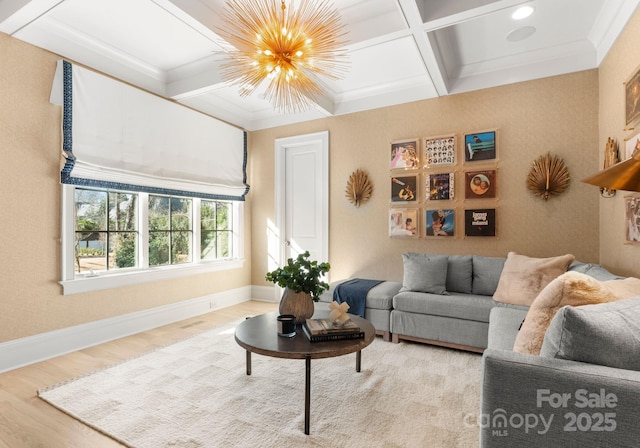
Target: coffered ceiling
{"x": 400, "y": 50}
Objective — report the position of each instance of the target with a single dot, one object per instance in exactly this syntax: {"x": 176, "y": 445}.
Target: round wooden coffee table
{"x": 260, "y": 335}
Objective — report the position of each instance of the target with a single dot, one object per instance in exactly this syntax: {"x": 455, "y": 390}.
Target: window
{"x": 106, "y": 236}
{"x": 117, "y": 238}
{"x": 215, "y": 230}
{"x": 170, "y": 230}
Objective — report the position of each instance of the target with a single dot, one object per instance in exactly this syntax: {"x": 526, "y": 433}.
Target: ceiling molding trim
{"x": 612, "y": 19}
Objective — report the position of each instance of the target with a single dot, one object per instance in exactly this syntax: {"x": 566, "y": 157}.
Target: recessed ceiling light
{"x": 522, "y": 12}
{"x": 520, "y": 33}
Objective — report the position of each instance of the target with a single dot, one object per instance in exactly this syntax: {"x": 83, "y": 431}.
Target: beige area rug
{"x": 195, "y": 393}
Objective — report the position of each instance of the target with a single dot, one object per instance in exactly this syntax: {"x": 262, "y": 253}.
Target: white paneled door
{"x": 302, "y": 195}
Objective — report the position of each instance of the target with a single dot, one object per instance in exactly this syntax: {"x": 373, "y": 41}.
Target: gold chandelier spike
{"x": 291, "y": 49}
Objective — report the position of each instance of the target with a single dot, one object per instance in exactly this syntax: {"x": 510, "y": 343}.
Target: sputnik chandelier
{"x": 291, "y": 48}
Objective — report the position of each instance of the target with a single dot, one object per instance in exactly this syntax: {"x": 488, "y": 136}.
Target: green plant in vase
{"x": 303, "y": 281}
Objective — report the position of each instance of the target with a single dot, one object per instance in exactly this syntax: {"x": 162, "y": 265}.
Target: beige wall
{"x": 622, "y": 60}
{"x": 30, "y": 297}
{"x": 558, "y": 114}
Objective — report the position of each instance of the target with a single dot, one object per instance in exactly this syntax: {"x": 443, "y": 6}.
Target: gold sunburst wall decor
{"x": 359, "y": 188}
{"x": 290, "y": 47}
{"x": 548, "y": 176}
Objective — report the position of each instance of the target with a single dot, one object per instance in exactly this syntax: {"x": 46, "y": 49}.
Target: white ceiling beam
{"x": 194, "y": 78}
{"x": 16, "y": 14}
{"x": 430, "y": 58}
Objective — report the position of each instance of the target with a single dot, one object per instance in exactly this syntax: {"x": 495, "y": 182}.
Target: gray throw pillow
{"x": 459, "y": 273}
{"x": 486, "y": 274}
{"x": 593, "y": 270}
{"x": 424, "y": 273}
{"x": 606, "y": 334}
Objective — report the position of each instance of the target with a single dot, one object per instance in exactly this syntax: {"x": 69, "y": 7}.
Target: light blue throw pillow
{"x": 424, "y": 273}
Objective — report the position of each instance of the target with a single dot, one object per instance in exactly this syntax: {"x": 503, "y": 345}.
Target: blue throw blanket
{"x": 354, "y": 292}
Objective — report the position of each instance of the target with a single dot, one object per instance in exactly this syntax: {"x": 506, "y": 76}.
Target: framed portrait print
{"x": 632, "y": 221}
{"x": 404, "y": 188}
{"x": 439, "y": 187}
{"x": 632, "y": 98}
{"x": 403, "y": 223}
{"x": 404, "y": 155}
{"x": 480, "y": 222}
{"x": 631, "y": 144}
{"x": 480, "y": 184}
{"x": 480, "y": 146}
{"x": 440, "y": 222}
{"x": 440, "y": 150}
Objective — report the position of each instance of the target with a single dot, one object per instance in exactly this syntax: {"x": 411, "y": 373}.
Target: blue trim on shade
{"x": 67, "y": 147}
{"x": 244, "y": 166}
{"x": 151, "y": 190}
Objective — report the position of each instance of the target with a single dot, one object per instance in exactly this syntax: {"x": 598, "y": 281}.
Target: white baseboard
{"x": 264, "y": 293}
{"x": 39, "y": 347}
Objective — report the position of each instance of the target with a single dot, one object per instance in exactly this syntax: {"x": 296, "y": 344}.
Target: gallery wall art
{"x": 436, "y": 181}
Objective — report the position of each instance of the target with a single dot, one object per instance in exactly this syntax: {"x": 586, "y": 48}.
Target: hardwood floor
{"x": 28, "y": 422}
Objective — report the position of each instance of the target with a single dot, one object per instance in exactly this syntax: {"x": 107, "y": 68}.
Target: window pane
{"x": 208, "y": 245}
{"x": 180, "y": 214}
{"x": 224, "y": 244}
{"x": 158, "y": 248}
{"x": 158, "y": 213}
{"x": 223, "y": 218}
{"x": 207, "y": 216}
{"x": 91, "y": 251}
{"x": 122, "y": 211}
{"x": 91, "y": 210}
{"x": 123, "y": 249}
{"x": 180, "y": 247}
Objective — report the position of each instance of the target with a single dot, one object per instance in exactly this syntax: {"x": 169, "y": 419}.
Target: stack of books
{"x": 324, "y": 330}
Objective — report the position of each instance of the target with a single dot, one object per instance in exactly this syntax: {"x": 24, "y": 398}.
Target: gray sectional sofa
{"x": 583, "y": 389}
{"x": 456, "y": 313}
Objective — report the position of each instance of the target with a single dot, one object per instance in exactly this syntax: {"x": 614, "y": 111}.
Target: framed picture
{"x": 404, "y": 188}
{"x": 632, "y": 221}
{"x": 440, "y": 150}
{"x": 440, "y": 222}
{"x": 632, "y": 98}
{"x": 480, "y": 184}
{"x": 480, "y": 146}
{"x": 480, "y": 222}
{"x": 404, "y": 155}
{"x": 631, "y": 144}
{"x": 439, "y": 187}
{"x": 403, "y": 223}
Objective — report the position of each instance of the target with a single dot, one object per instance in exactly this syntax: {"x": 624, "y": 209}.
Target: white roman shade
{"x": 121, "y": 137}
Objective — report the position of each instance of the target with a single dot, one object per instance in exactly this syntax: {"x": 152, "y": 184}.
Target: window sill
{"x": 117, "y": 280}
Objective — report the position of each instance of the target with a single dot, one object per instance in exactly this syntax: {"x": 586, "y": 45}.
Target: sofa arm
{"x": 531, "y": 401}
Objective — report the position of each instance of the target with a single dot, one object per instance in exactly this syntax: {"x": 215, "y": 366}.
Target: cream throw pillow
{"x": 523, "y": 277}
{"x": 571, "y": 288}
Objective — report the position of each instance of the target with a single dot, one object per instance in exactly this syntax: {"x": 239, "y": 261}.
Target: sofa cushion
{"x": 504, "y": 324}
{"x": 571, "y": 288}
{"x": 524, "y": 277}
{"x": 607, "y": 334}
{"x": 381, "y": 296}
{"x": 461, "y": 306}
{"x": 486, "y": 274}
{"x": 459, "y": 273}
{"x": 424, "y": 273}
